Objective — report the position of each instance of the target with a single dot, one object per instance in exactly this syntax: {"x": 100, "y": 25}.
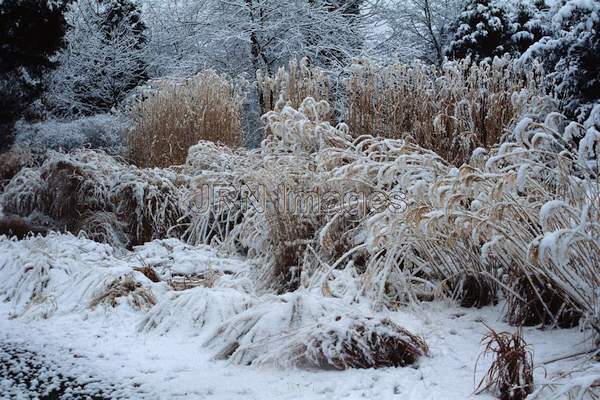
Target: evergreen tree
{"x": 31, "y": 32}
{"x": 481, "y": 31}
{"x": 528, "y": 25}
{"x": 577, "y": 72}
{"x": 572, "y": 55}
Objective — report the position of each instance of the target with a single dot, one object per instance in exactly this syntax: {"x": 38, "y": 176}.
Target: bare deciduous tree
{"x": 245, "y": 35}
{"x": 103, "y": 60}
{"x": 414, "y": 28}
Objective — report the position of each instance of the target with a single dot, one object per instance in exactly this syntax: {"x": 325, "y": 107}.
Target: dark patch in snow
{"x": 25, "y": 374}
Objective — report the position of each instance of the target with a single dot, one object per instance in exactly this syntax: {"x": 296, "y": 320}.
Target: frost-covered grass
{"x": 161, "y": 352}
{"x": 519, "y": 221}
{"x": 451, "y": 110}
{"x": 78, "y": 303}
{"x": 517, "y": 224}
{"x": 12, "y": 161}
{"x": 92, "y": 192}
{"x": 292, "y": 85}
{"x": 308, "y": 330}
{"x": 57, "y": 275}
{"x": 177, "y": 114}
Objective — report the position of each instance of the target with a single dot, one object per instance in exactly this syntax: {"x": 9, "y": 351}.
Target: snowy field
{"x": 123, "y": 348}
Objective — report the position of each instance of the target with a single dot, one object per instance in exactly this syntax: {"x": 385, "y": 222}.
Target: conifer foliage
{"x": 578, "y": 48}
{"x": 528, "y": 25}
{"x": 482, "y": 31}
{"x": 31, "y": 31}
{"x": 570, "y": 53}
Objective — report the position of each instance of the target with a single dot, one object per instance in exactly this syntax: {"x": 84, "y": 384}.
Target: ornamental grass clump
{"x": 178, "y": 114}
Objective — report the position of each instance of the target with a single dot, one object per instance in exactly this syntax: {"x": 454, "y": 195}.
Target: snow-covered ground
{"x": 160, "y": 351}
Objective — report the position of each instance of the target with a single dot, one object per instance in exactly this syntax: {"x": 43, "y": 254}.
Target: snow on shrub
{"x": 570, "y": 55}
{"x": 102, "y": 132}
{"x": 481, "y": 31}
{"x": 529, "y": 23}
{"x": 306, "y": 330}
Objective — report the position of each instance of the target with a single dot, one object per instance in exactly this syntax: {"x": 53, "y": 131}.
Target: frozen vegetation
{"x": 257, "y": 199}
{"x": 314, "y": 291}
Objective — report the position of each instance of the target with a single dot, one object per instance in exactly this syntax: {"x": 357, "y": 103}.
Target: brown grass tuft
{"x": 307, "y": 330}
{"x": 292, "y": 86}
{"x": 101, "y": 226}
{"x": 367, "y": 343}
{"x": 137, "y": 295}
{"x": 149, "y": 273}
{"x": 179, "y": 114}
{"x": 69, "y": 189}
{"x": 290, "y": 235}
{"x": 109, "y": 200}
{"x": 539, "y": 303}
{"x": 473, "y": 290}
{"x": 511, "y": 372}
{"x": 13, "y": 161}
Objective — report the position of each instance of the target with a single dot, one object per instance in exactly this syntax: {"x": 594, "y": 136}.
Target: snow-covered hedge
{"x": 102, "y": 132}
